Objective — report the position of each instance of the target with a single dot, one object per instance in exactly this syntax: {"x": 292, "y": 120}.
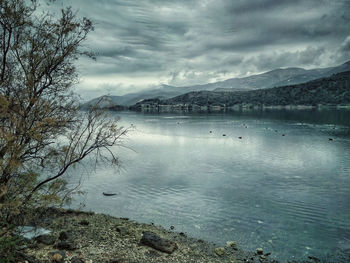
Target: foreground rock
{"x": 158, "y": 243}
{"x": 220, "y": 251}
{"x": 107, "y": 239}
{"x": 46, "y": 239}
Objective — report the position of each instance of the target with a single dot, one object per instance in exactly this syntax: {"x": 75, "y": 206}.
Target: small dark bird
{"x": 240, "y": 137}
{"x": 330, "y": 139}
{"x": 283, "y": 134}
{"x": 210, "y": 131}
{"x": 224, "y": 135}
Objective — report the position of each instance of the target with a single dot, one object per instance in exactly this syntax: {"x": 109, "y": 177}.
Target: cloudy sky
{"x": 144, "y": 43}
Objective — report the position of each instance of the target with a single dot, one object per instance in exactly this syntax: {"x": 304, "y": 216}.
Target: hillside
{"x": 334, "y": 90}
{"x": 274, "y": 78}
{"x": 281, "y": 77}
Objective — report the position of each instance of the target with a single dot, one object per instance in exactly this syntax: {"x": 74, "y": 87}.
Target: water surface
{"x": 283, "y": 186}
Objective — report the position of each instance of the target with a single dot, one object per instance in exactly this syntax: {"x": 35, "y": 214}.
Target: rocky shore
{"x": 79, "y": 237}
{"x": 88, "y": 237}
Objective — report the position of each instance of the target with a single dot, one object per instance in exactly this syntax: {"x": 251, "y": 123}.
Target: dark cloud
{"x": 184, "y": 42}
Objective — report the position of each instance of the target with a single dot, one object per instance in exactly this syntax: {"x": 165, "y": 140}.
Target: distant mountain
{"x": 274, "y": 78}
{"x": 107, "y": 101}
{"x": 277, "y": 78}
{"x": 334, "y": 90}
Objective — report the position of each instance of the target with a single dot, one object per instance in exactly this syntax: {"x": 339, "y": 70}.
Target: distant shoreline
{"x": 217, "y": 108}
{"x": 238, "y": 107}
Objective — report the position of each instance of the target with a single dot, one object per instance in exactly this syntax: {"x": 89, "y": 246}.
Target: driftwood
{"x": 109, "y": 194}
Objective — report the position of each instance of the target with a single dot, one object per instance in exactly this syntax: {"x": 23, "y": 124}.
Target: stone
{"x": 66, "y": 245}
{"x": 315, "y": 259}
{"x": 46, "y": 239}
{"x": 154, "y": 241}
{"x": 220, "y": 251}
{"x": 22, "y": 257}
{"x": 84, "y": 222}
{"x": 64, "y": 235}
{"x": 77, "y": 260}
{"x": 57, "y": 256}
{"x": 232, "y": 244}
{"x": 122, "y": 230}
{"x": 259, "y": 251}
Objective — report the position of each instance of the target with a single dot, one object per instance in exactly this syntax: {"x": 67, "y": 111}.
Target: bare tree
{"x": 42, "y": 131}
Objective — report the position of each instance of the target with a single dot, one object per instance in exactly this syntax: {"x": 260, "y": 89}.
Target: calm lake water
{"x": 284, "y": 186}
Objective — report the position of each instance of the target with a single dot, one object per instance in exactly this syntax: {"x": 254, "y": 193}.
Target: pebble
{"x": 122, "y": 230}
{"x": 77, "y": 260}
{"x": 84, "y": 222}
{"x": 220, "y": 251}
{"x": 232, "y": 244}
{"x": 57, "y": 257}
{"x": 64, "y": 235}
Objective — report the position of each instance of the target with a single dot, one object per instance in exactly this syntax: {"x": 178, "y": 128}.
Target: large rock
{"x": 46, "y": 239}
{"x": 66, "y": 245}
{"x": 158, "y": 243}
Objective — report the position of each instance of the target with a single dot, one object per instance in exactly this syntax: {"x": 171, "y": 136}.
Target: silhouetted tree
{"x": 42, "y": 131}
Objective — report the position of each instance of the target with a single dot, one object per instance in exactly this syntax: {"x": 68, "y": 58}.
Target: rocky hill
{"x": 274, "y": 78}
{"x": 334, "y": 90}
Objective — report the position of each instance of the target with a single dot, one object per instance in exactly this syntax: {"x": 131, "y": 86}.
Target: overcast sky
{"x": 143, "y": 43}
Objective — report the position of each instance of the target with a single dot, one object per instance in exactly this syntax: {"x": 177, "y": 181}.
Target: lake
{"x": 279, "y": 180}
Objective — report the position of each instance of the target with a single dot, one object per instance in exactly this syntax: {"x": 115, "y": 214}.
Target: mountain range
{"x": 270, "y": 79}
{"x": 334, "y": 90}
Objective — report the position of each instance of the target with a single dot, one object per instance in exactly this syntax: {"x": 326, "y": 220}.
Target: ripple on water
{"x": 287, "y": 194}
